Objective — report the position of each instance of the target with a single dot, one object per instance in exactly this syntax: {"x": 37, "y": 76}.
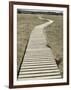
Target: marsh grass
{"x": 54, "y": 36}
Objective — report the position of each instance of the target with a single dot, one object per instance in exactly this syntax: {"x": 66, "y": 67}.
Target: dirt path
{"x": 39, "y": 61}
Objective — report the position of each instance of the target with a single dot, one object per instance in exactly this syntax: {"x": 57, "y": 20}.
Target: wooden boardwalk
{"x": 38, "y": 62}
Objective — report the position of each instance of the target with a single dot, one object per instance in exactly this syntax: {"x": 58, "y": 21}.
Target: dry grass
{"x": 54, "y": 34}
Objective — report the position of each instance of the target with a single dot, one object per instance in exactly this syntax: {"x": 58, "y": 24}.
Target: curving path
{"x": 39, "y": 61}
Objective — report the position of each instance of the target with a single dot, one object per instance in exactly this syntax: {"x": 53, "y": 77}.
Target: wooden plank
{"x": 44, "y": 71}
{"x": 39, "y": 75}
{"x": 40, "y": 78}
